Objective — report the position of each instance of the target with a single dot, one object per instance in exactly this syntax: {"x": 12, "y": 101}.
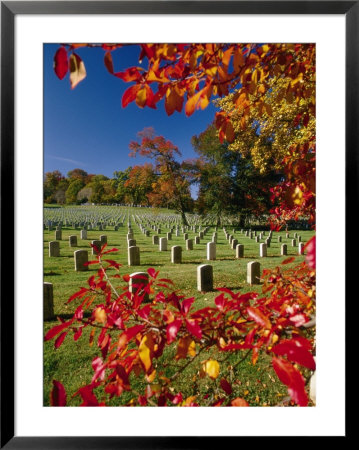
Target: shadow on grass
{"x": 69, "y": 316}
{"x": 232, "y": 288}
{"x": 51, "y": 274}
{"x": 192, "y": 262}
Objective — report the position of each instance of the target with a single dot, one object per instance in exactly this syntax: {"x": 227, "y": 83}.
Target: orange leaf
{"x": 130, "y": 95}
{"x": 239, "y": 402}
{"x": 108, "y": 62}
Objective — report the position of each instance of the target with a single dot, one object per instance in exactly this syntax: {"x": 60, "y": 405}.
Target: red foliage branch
{"x": 134, "y": 333}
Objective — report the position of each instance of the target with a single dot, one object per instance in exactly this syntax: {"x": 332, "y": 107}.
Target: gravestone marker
{"x": 96, "y": 247}
{"x": 283, "y": 249}
{"x": 54, "y": 249}
{"x": 81, "y": 257}
{"x": 204, "y": 278}
{"x": 211, "y": 251}
{"x": 163, "y": 244}
{"x": 73, "y": 241}
{"x": 239, "y": 251}
{"x": 48, "y": 301}
{"x": 253, "y": 272}
{"x": 176, "y": 254}
{"x": 133, "y": 256}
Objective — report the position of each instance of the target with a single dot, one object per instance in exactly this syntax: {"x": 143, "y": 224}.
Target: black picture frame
{"x": 9, "y": 9}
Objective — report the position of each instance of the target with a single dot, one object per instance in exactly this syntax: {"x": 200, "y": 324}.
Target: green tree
{"x": 228, "y": 181}
{"x": 74, "y": 188}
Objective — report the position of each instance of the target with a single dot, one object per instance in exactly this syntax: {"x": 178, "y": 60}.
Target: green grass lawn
{"x": 71, "y": 363}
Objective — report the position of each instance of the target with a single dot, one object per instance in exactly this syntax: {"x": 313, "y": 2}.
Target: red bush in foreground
{"x": 132, "y": 334}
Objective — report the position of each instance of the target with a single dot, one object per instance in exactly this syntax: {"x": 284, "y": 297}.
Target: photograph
{"x": 179, "y": 224}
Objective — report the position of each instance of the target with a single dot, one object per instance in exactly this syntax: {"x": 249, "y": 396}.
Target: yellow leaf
{"x": 189, "y": 400}
{"x": 191, "y": 104}
{"x": 211, "y": 367}
{"x": 141, "y": 97}
{"x": 192, "y": 349}
{"x": 153, "y": 77}
{"x": 77, "y": 70}
{"x": 145, "y": 351}
{"x": 275, "y": 338}
{"x": 151, "y": 376}
{"x": 211, "y": 71}
{"x": 100, "y": 315}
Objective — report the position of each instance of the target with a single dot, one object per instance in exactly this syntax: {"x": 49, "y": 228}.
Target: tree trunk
{"x": 184, "y": 219}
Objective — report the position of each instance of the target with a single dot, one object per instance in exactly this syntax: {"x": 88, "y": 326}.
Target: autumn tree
{"x": 77, "y": 174}
{"x": 280, "y": 136}
{"x": 51, "y": 182}
{"x": 172, "y": 186}
{"x": 140, "y": 184}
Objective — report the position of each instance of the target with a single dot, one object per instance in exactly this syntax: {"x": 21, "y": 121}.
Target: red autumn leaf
{"x": 259, "y": 317}
{"x": 57, "y": 329}
{"x": 89, "y": 263}
{"x": 306, "y": 120}
{"x": 57, "y": 394}
{"x": 186, "y": 305}
{"x": 61, "y": 63}
{"x": 310, "y": 247}
{"x": 152, "y": 272}
{"x": 109, "y": 251}
{"x": 129, "y": 334}
{"x": 172, "y": 330}
{"x": 131, "y": 74}
{"x": 176, "y": 399}
{"x": 288, "y": 260}
{"x": 226, "y": 386}
{"x": 77, "y": 294}
{"x": 166, "y": 280}
{"x": 292, "y": 378}
{"x": 250, "y": 336}
{"x": 78, "y": 334}
{"x": 218, "y": 402}
{"x": 130, "y": 95}
{"x": 99, "y": 369}
{"x": 144, "y": 312}
{"x": 227, "y": 291}
{"x": 298, "y": 319}
{"x": 295, "y": 352}
{"x": 220, "y": 302}
{"x": 235, "y": 347}
{"x": 88, "y": 397}
{"x": 60, "y": 339}
{"x": 194, "y": 328}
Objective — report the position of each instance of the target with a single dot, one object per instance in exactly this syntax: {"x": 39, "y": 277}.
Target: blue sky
{"x": 87, "y": 127}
